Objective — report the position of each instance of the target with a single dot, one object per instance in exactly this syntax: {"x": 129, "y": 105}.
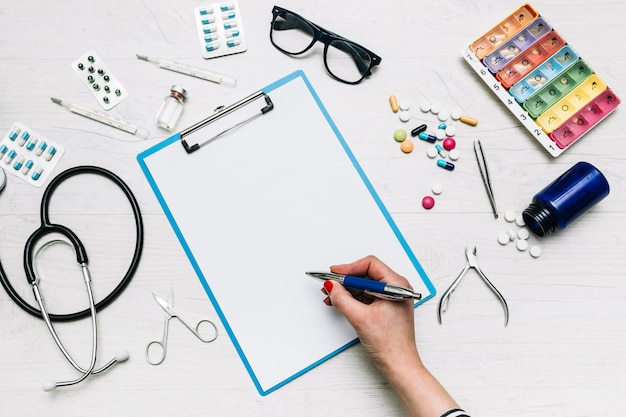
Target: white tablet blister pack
{"x": 98, "y": 79}
{"x": 220, "y": 29}
{"x": 28, "y": 155}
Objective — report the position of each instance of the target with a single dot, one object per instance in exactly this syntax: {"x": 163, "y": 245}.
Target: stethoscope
{"x": 32, "y": 250}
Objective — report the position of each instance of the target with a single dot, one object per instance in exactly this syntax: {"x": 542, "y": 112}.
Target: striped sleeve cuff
{"x": 455, "y": 412}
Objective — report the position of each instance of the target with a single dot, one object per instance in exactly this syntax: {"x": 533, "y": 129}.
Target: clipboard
{"x": 267, "y": 201}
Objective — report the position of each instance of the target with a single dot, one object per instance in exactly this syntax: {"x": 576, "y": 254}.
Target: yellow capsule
{"x": 468, "y": 120}
{"x": 393, "y": 101}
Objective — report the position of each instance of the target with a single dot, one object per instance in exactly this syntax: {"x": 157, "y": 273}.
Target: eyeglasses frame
{"x": 326, "y": 37}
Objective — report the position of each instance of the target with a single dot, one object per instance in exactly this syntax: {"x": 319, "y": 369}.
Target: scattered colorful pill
{"x": 399, "y": 135}
{"x": 407, "y": 146}
{"x": 468, "y": 120}
{"x": 445, "y": 164}
{"x": 428, "y": 138}
{"x": 428, "y": 202}
{"x": 393, "y": 102}
{"x": 449, "y": 144}
{"x": 418, "y": 130}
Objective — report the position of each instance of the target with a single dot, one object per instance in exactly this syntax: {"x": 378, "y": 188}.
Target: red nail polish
{"x": 328, "y": 285}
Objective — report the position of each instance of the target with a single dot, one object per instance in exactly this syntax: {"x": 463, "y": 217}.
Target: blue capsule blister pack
{"x": 28, "y": 155}
{"x": 220, "y": 29}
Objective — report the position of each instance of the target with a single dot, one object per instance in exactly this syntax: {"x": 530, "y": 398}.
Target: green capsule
{"x": 96, "y": 87}
{"x": 90, "y": 58}
{"x": 90, "y": 79}
{"x": 80, "y": 66}
{"x": 118, "y": 92}
{"x": 105, "y": 99}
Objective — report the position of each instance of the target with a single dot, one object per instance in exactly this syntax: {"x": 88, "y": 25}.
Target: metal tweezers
{"x": 484, "y": 174}
{"x": 471, "y": 263}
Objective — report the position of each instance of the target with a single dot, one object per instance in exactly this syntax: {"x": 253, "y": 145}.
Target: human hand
{"x": 385, "y": 328}
{"x": 387, "y": 332}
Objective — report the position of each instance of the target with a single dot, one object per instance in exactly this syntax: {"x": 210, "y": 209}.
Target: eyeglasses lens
{"x": 291, "y": 34}
{"x": 347, "y": 61}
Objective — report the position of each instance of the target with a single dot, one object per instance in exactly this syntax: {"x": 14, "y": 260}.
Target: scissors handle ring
{"x": 199, "y": 336}
{"x": 162, "y": 345}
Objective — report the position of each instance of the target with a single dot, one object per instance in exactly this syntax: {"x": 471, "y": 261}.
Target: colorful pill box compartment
{"x": 28, "y": 155}
{"x": 220, "y": 29}
{"x": 541, "y": 79}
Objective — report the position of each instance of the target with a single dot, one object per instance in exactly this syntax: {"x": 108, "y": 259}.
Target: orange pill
{"x": 468, "y": 120}
{"x": 406, "y": 146}
{"x": 393, "y": 101}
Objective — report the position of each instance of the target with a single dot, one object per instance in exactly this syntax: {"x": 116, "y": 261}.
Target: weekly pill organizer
{"x": 220, "y": 29}
{"x": 542, "y": 80}
{"x": 28, "y": 155}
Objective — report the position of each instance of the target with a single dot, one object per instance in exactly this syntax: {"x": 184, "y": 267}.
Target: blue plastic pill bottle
{"x": 565, "y": 199}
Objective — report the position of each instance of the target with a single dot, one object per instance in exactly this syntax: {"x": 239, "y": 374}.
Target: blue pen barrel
{"x": 363, "y": 284}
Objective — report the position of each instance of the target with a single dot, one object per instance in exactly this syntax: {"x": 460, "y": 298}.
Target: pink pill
{"x": 428, "y": 202}
{"x": 449, "y": 144}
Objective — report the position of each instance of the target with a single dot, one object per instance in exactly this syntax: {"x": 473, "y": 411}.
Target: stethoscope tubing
{"x": 47, "y": 227}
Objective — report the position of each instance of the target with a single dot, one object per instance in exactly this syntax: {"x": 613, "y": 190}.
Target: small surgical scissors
{"x": 171, "y": 313}
{"x": 471, "y": 263}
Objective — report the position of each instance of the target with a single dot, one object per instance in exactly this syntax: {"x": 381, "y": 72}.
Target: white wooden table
{"x": 562, "y": 353}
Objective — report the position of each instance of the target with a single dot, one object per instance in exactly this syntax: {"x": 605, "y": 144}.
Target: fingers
{"x": 343, "y": 300}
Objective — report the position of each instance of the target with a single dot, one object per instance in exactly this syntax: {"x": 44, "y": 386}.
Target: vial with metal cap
{"x": 171, "y": 108}
{"x": 565, "y": 199}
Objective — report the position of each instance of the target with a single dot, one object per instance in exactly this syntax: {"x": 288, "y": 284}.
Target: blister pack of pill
{"x": 28, "y": 155}
{"x": 99, "y": 80}
{"x": 220, "y": 29}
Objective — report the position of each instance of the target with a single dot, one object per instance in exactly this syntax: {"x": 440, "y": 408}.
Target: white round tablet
{"x": 431, "y": 152}
{"x": 503, "y": 238}
{"x": 437, "y": 188}
{"x": 425, "y": 106}
{"x": 440, "y": 134}
{"x": 456, "y": 114}
{"x": 523, "y": 234}
{"x": 454, "y": 154}
{"x": 435, "y": 108}
{"x": 404, "y": 105}
{"x": 405, "y": 116}
{"x": 510, "y": 216}
{"x": 519, "y": 220}
{"x": 535, "y": 251}
{"x": 512, "y": 234}
{"x": 521, "y": 245}
{"x": 443, "y": 115}
{"x": 450, "y": 130}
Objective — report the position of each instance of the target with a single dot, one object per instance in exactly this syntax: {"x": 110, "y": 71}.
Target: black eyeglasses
{"x": 344, "y": 60}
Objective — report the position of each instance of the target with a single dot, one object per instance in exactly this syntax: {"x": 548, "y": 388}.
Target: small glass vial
{"x": 171, "y": 108}
{"x": 565, "y": 199}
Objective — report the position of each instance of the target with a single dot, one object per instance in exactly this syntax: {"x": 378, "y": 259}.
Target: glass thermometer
{"x": 102, "y": 117}
{"x": 201, "y": 73}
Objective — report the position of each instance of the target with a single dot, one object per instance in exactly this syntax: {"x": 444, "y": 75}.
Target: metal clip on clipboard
{"x": 222, "y": 122}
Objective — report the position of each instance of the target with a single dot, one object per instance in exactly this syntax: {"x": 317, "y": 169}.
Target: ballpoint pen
{"x": 376, "y": 288}
{"x": 102, "y": 117}
{"x": 181, "y": 68}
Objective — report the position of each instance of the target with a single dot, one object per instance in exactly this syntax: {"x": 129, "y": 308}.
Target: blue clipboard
{"x": 259, "y": 206}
